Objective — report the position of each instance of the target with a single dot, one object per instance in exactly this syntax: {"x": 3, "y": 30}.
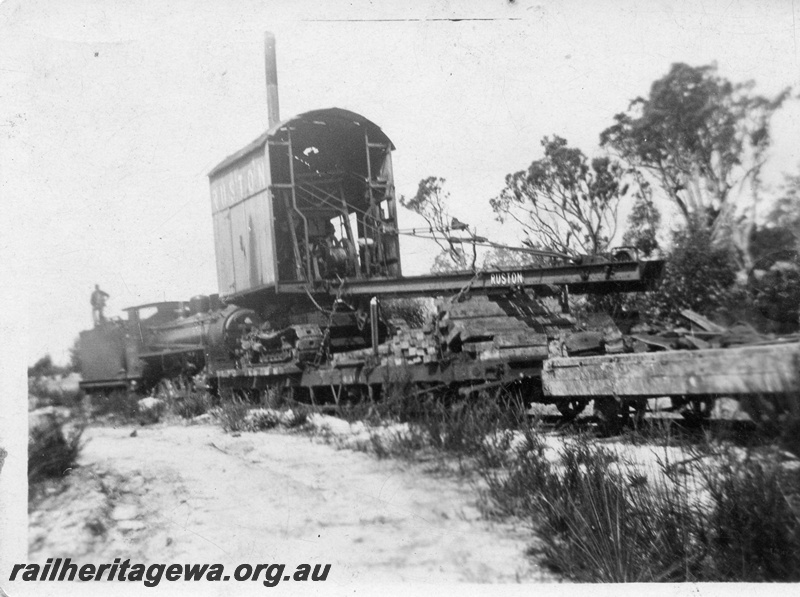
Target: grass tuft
{"x": 232, "y": 416}
{"x": 295, "y": 418}
{"x": 410, "y": 425}
{"x": 597, "y": 524}
{"x": 193, "y": 405}
{"x": 262, "y": 419}
{"x": 754, "y": 527}
{"x": 52, "y": 451}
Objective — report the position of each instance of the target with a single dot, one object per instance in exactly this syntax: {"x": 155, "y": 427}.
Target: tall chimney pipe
{"x": 273, "y": 109}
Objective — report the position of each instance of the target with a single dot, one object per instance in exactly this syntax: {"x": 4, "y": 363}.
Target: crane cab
{"x": 309, "y": 202}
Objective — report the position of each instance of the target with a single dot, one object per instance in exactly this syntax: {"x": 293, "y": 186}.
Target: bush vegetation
{"x": 600, "y": 523}
{"x": 48, "y": 393}
{"x": 238, "y": 415}
{"x": 754, "y": 526}
{"x": 702, "y": 275}
{"x": 45, "y": 367}
{"x": 699, "y": 275}
{"x": 46, "y": 383}
{"x": 443, "y": 422}
{"x": 52, "y": 451}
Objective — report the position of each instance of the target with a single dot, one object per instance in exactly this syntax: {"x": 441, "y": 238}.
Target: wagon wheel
{"x": 634, "y": 411}
{"x": 346, "y": 396}
{"x": 571, "y": 408}
{"x": 354, "y": 401}
{"x": 353, "y": 395}
{"x": 769, "y": 411}
{"x": 698, "y": 409}
{"x": 610, "y": 414}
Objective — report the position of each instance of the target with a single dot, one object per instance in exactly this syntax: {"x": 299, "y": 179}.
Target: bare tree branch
{"x": 563, "y": 201}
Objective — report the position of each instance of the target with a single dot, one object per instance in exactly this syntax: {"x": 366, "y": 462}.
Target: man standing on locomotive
{"x": 98, "y": 304}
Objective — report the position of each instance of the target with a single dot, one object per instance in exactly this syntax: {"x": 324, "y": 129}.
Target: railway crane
{"x": 307, "y": 248}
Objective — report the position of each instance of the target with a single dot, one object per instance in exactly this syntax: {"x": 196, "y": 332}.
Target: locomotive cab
{"x": 110, "y": 353}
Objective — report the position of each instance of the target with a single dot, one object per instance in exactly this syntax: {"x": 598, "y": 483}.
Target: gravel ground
{"x": 193, "y": 494}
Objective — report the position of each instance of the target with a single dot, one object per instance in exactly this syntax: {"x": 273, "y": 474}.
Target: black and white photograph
{"x": 350, "y": 297}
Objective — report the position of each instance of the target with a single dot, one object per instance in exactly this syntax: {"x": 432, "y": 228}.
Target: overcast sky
{"x": 113, "y": 113}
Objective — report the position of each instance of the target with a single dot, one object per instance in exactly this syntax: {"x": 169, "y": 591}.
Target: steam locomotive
{"x": 169, "y": 343}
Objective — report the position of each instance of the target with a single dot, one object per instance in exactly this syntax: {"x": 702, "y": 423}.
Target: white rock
{"x": 124, "y": 512}
{"x": 149, "y": 403}
{"x": 329, "y": 424}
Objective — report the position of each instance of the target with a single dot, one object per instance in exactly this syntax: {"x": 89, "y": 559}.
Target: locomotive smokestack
{"x": 273, "y": 109}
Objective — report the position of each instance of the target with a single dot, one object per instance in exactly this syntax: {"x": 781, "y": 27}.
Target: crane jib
{"x": 621, "y": 276}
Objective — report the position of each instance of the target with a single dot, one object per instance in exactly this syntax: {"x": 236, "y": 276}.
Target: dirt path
{"x": 194, "y": 494}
